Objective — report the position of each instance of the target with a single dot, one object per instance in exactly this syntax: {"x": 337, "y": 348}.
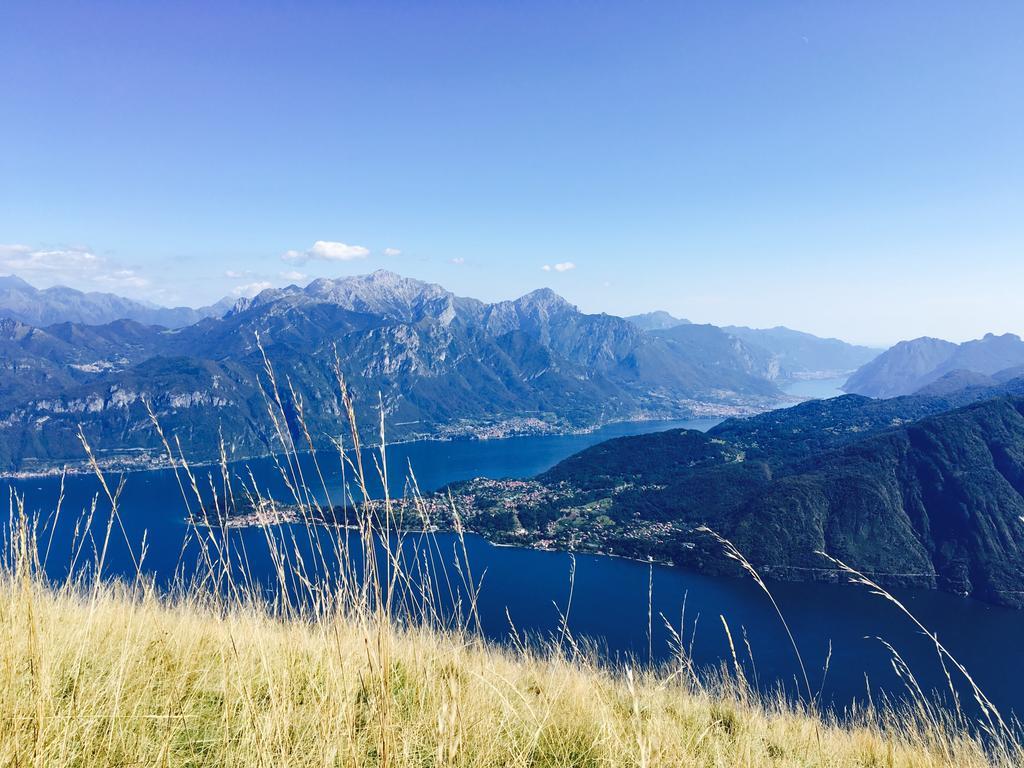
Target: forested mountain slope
{"x": 907, "y": 490}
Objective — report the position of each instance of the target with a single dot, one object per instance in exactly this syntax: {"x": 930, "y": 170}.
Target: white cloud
{"x": 294, "y": 275}
{"x": 234, "y": 274}
{"x": 326, "y": 250}
{"x": 392, "y": 252}
{"x": 457, "y": 260}
{"x": 562, "y": 266}
{"x": 251, "y": 289}
{"x": 76, "y": 266}
{"x": 331, "y": 251}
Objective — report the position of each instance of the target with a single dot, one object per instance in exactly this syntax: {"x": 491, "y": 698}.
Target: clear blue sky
{"x": 847, "y": 168}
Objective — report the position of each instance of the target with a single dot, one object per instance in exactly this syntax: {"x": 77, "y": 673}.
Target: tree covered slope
{"x": 907, "y": 490}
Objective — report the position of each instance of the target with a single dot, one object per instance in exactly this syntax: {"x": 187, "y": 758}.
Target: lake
{"x": 610, "y": 596}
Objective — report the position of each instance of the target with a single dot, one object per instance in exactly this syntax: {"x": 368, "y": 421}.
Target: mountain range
{"x": 912, "y": 365}
{"x": 925, "y": 491}
{"x": 26, "y": 304}
{"x": 791, "y": 355}
{"x": 443, "y": 365}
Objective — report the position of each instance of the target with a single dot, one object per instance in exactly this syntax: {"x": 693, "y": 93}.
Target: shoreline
{"x": 82, "y": 467}
{"x": 695, "y": 410}
{"x": 773, "y": 573}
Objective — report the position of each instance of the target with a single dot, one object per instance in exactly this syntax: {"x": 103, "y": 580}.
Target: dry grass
{"x": 116, "y": 677}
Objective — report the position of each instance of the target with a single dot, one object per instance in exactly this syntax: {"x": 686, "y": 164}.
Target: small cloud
{"x": 251, "y": 289}
{"x": 331, "y": 251}
{"x": 392, "y": 252}
{"x": 234, "y": 274}
{"x": 326, "y": 250}
{"x": 562, "y": 266}
{"x": 457, "y": 260}
{"x": 294, "y": 275}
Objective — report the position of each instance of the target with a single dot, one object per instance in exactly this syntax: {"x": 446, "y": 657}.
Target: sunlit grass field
{"x": 114, "y": 677}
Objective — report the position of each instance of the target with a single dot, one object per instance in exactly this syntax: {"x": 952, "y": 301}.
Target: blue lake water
{"x": 609, "y": 602}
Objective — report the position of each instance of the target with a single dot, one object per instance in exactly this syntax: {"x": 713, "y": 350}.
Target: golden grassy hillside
{"x": 114, "y": 677}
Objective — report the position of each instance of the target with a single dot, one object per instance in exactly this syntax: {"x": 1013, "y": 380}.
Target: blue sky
{"x": 851, "y": 169}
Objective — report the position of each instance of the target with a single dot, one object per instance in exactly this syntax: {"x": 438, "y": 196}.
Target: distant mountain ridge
{"x": 795, "y": 354}
{"x": 912, "y": 365}
{"x": 705, "y": 342}
{"x": 658, "y": 320}
{"x": 22, "y": 302}
{"x": 785, "y": 353}
{"x": 803, "y": 355}
{"x": 444, "y": 365}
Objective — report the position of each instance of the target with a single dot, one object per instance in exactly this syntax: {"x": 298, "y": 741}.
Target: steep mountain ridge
{"x": 911, "y": 365}
{"x": 780, "y": 353}
{"x": 719, "y": 353}
{"x": 381, "y": 293}
{"x": 22, "y": 302}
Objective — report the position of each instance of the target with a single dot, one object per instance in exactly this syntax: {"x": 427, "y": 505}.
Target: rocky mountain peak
{"x": 13, "y": 282}
{"x": 659, "y": 320}
{"x": 545, "y": 299}
{"x": 385, "y": 293}
{"x": 1006, "y": 338}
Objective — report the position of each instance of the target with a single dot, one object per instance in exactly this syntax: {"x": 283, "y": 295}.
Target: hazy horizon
{"x": 850, "y": 171}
